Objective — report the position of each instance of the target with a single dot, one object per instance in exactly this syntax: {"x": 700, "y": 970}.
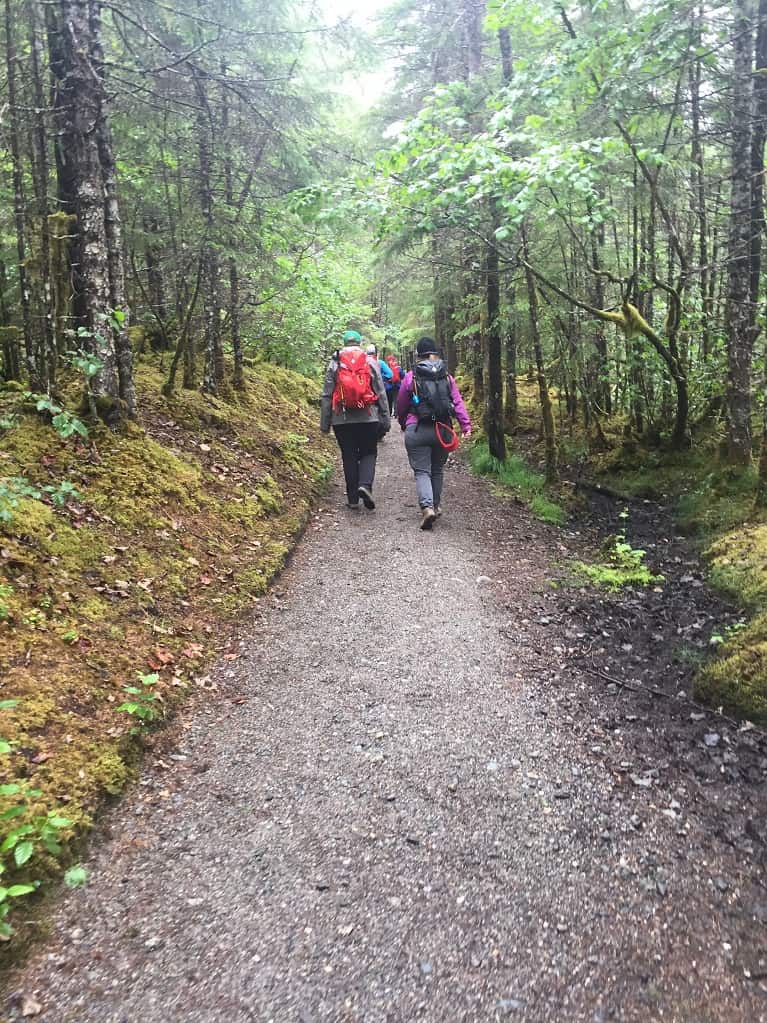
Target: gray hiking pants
{"x": 427, "y": 460}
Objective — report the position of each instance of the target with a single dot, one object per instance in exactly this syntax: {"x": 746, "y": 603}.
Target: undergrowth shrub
{"x": 515, "y": 474}
{"x": 622, "y": 565}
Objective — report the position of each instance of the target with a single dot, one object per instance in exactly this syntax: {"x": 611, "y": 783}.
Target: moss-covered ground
{"x": 179, "y": 524}
{"x": 712, "y": 502}
{"x": 715, "y": 504}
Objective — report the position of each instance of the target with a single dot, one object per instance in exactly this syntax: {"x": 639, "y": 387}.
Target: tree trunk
{"x": 547, "y": 413}
{"x": 511, "y": 404}
{"x": 604, "y": 396}
{"x": 238, "y": 378}
{"x": 154, "y": 272}
{"x": 451, "y": 349}
{"x": 757, "y": 162}
{"x": 494, "y": 406}
{"x": 473, "y": 13}
{"x": 85, "y": 114}
{"x": 34, "y": 373}
{"x": 61, "y": 103}
{"x": 699, "y": 191}
{"x": 214, "y": 359}
{"x": 48, "y": 362}
{"x": 740, "y": 333}
{"x": 112, "y": 224}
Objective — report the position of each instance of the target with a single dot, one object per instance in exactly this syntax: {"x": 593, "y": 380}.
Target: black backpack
{"x": 432, "y": 389}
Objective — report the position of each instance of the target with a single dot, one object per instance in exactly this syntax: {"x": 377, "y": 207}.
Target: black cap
{"x": 426, "y": 346}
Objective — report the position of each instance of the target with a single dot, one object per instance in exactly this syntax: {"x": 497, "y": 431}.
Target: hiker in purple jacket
{"x": 428, "y": 400}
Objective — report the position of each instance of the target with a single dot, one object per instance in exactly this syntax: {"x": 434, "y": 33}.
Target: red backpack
{"x": 396, "y": 370}
{"x": 353, "y": 388}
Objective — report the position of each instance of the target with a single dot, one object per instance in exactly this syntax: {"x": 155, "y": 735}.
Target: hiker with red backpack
{"x": 354, "y": 404}
{"x": 393, "y": 386}
{"x": 428, "y": 400}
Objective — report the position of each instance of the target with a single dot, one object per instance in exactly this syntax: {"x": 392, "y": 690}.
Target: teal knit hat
{"x": 352, "y": 337}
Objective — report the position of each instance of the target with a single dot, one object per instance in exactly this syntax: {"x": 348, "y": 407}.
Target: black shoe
{"x": 367, "y": 498}
{"x": 354, "y": 505}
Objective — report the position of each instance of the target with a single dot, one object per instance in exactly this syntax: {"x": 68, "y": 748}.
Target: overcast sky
{"x": 365, "y": 87}
{"x": 361, "y": 10}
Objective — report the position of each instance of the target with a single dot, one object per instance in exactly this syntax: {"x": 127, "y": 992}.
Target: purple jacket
{"x": 407, "y": 417}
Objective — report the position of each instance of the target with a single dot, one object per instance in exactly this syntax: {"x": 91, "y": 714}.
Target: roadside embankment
{"x": 128, "y": 571}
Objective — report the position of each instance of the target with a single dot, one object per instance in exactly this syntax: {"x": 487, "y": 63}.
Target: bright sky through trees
{"x": 365, "y": 86}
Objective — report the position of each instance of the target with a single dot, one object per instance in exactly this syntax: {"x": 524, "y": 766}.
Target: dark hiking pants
{"x": 359, "y": 446}
{"x": 427, "y": 460}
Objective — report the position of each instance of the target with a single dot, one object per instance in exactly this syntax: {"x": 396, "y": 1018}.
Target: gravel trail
{"x": 399, "y": 804}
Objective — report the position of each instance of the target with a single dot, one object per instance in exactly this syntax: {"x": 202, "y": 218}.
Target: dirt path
{"x": 401, "y": 803}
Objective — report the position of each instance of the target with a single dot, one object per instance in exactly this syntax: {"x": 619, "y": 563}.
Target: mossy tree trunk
{"x": 758, "y": 228}
{"x": 50, "y": 355}
{"x": 602, "y": 368}
{"x": 112, "y": 224}
{"x": 36, "y": 381}
{"x": 238, "y": 378}
{"x": 96, "y": 203}
{"x": 213, "y": 374}
{"x": 547, "y": 412}
{"x": 740, "y": 332}
{"x": 494, "y": 404}
{"x": 62, "y": 101}
{"x": 62, "y": 228}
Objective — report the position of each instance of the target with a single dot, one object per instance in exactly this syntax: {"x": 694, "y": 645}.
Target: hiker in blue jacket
{"x": 386, "y": 374}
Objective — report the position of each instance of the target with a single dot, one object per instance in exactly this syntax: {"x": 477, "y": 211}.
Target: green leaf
{"x": 59, "y": 822}
{"x": 76, "y": 876}
{"x": 17, "y": 890}
{"x": 23, "y": 852}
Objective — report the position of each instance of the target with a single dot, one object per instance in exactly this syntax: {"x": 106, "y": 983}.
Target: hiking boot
{"x": 354, "y": 505}
{"x": 367, "y": 498}
{"x": 428, "y": 517}
{"x": 437, "y": 512}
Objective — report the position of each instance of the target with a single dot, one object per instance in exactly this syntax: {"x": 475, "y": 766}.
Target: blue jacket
{"x": 387, "y": 374}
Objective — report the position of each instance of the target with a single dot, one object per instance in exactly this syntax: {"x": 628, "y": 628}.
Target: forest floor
{"x": 430, "y": 786}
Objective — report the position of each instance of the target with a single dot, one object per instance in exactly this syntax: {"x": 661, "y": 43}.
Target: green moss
{"x": 738, "y": 565}
{"x": 621, "y": 565}
{"x": 178, "y": 525}
{"x": 548, "y": 511}
{"x": 253, "y": 581}
{"x": 517, "y": 476}
{"x": 32, "y": 713}
{"x": 139, "y": 481}
{"x": 84, "y": 773}
{"x": 718, "y": 502}
{"x": 269, "y": 495}
{"x": 613, "y": 577}
{"x": 737, "y": 678}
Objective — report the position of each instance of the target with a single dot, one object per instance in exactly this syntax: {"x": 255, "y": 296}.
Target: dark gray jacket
{"x": 378, "y": 413}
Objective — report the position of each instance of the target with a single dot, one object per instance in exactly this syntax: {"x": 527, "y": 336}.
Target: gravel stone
{"x": 302, "y": 877}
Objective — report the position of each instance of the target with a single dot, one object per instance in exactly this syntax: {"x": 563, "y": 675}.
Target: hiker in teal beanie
{"x": 354, "y": 403}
